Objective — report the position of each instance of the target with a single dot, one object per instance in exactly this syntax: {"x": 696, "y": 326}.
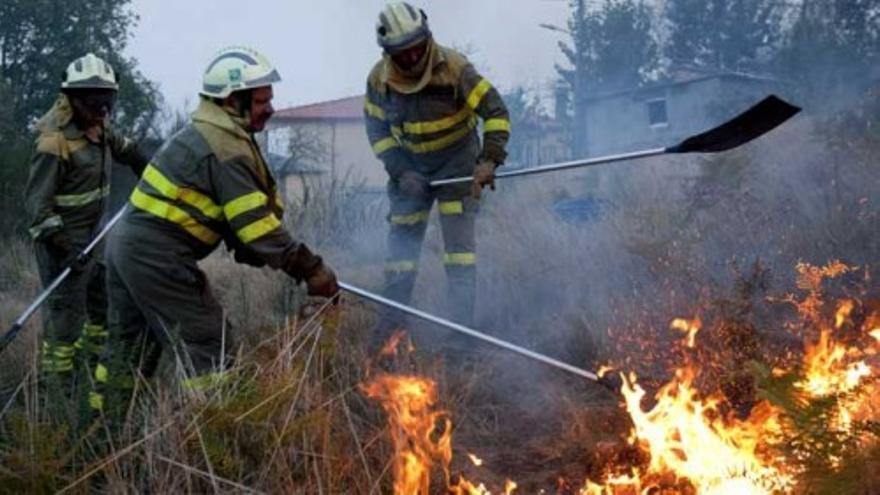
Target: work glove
{"x": 322, "y": 282}
{"x": 412, "y": 183}
{"x": 484, "y": 175}
{"x": 61, "y": 247}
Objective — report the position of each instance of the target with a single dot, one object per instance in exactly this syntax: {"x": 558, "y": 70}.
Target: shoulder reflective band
{"x": 477, "y": 94}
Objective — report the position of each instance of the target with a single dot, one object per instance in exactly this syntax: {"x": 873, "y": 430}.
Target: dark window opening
{"x": 657, "y": 115}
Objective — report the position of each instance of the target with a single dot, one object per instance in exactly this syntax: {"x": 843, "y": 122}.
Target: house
{"x": 664, "y": 113}
{"x": 328, "y": 137}
{"x": 293, "y": 175}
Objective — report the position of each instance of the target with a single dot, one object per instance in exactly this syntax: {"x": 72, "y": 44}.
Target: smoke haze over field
{"x": 324, "y": 50}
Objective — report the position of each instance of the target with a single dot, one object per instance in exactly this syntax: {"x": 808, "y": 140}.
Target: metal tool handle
{"x": 18, "y": 325}
{"x": 468, "y": 331}
{"x": 560, "y": 166}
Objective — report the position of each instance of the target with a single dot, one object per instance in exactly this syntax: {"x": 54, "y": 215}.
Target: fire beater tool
{"x": 758, "y": 120}
{"x": 469, "y": 331}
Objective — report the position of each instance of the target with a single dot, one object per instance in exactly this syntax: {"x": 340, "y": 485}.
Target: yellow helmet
{"x": 235, "y": 69}
{"x": 400, "y": 26}
{"x": 89, "y": 72}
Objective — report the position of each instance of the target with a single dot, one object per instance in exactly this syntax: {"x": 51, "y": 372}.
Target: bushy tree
{"x": 612, "y": 48}
{"x": 730, "y": 35}
{"x": 38, "y": 39}
{"x": 832, "y": 45}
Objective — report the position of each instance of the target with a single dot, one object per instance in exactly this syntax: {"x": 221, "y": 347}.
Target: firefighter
{"x": 422, "y": 106}
{"x": 208, "y": 183}
{"x": 65, "y": 198}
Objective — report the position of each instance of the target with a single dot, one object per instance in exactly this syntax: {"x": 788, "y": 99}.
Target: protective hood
{"x": 415, "y": 79}
{"x": 58, "y": 116}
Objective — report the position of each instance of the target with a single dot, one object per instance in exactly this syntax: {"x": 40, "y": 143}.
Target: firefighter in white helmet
{"x": 65, "y": 198}
{"x": 208, "y": 183}
{"x": 424, "y": 106}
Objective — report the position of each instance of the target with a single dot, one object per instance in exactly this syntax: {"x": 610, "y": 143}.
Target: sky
{"x": 325, "y": 48}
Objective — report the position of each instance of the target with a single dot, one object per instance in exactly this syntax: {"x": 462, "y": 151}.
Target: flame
{"x": 509, "y": 487}
{"x": 689, "y": 327}
{"x": 420, "y": 434}
{"x": 690, "y": 440}
{"x": 603, "y": 370}
{"x": 694, "y": 447}
{"x": 390, "y": 347}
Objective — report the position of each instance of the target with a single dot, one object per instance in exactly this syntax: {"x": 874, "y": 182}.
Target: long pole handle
{"x": 18, "y": 325}
{"x": 469, "y": 331}
{"x": 599, "y": 160}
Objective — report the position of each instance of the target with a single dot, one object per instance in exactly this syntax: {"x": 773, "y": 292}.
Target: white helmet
{"x": 89, "y": 72}
{"x": 400, "y": 26}
{"x": 237, "y": 68}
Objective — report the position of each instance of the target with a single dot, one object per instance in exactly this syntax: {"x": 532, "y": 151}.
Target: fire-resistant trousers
{"x": 408, "y": 221}
{"x": 160, "y": 299}
{"x": 75, "y": 313}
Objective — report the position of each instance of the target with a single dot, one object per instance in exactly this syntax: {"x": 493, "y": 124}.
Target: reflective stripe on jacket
{"x": 421, "y": 130}
{"x": 209, "y": 183}
{"x": 69, "y": 175}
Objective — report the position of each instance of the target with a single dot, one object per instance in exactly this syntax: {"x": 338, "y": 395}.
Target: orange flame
{"x": 421, "y": 436}
{"x": 689, "y": 327}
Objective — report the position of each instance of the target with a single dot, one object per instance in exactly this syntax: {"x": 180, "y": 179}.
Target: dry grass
{"x": 675, "y": 235}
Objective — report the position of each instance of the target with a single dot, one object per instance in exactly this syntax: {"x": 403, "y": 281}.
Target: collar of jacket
{"x": 58, "y": 118}
{"x": 402, "y": 82}
{"x": 210, "y": 113}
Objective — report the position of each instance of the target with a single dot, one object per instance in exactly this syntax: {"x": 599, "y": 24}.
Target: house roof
{"x": 684, "y": 79}
{"x": 341, "y": 109}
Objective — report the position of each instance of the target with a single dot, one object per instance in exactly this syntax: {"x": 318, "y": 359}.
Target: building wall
{"x": 348, "y": 153}
{"x": 620, "y": 123}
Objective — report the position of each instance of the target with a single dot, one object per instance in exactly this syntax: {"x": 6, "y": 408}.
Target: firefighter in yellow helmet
{"x": 208, "y": 183}
{"x": 424, "y": 106}
{"x": 65, "y": 198}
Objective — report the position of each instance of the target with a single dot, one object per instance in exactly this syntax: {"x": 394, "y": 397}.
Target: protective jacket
{"x": 70, "y": 174}
{"x": 431, "y": 126}
{"x": 209, "y": 183}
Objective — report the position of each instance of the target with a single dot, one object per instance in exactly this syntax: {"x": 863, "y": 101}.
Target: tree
{"x": 611, "y": 48}
{"x": 832, "y": 45}
{"x": 39, "y": 38}
{"x": 732, "y": 35}
{"x": 526, "y": 118}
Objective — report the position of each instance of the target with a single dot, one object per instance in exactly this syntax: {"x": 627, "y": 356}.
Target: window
{"x": 657, "y": 116}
